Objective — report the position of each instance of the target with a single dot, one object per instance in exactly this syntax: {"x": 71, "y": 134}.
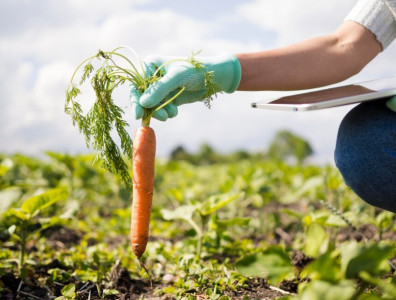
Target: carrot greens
{"x": 105, "y": 116}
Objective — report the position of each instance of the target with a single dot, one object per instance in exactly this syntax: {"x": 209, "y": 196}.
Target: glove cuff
{"x": 236, "y": 71}
{"x": 227, "y": 72}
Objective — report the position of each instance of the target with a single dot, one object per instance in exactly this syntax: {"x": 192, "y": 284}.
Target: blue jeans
{"x": 365, "y": 153}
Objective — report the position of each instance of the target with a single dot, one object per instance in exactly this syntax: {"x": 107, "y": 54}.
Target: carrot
{"x": 97, "y": 126}
{"x": 143, "y": 160}
{"x": 143, "y": 163}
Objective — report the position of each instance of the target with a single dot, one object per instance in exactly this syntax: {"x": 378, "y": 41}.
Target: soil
{"x": 128, "y": 288}
{"x": 299, "y": 260}
{"x": 62, "y": 237}
{"x": 36, "y": 284}
{"x": 256, "y": 288}
{"x": 31, "y": 289}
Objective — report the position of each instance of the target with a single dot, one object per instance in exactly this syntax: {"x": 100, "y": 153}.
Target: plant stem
{"x": 146, "y": 117}
{"x": 199, "y": 234}
{"x": 134, "y": 53}
{"x": 122, "y": 71}
{"x": 168, "y": 101}
{"x": 147, "y": 271}
{"x": 167, "y": 63}
{"x": 79, "y": 66}
{"x": 149, "y": 113}
{"x": 23, "y": 244}
{"x": 127, "y": 59}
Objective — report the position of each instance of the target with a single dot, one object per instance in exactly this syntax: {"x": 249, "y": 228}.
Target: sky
{"x": 41, "y": 43}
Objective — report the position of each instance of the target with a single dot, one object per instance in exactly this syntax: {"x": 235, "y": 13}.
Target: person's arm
{"x": 312, "y": 63}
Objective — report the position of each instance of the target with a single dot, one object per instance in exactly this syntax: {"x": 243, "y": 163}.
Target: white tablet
{"x": 336, "y": 96}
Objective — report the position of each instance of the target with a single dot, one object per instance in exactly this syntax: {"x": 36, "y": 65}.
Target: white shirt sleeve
{"x": 378, "y": 16}
{"x": 392, "y": 6}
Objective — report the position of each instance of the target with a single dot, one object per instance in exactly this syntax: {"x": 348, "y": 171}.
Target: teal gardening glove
{"x": 177, "y": 74}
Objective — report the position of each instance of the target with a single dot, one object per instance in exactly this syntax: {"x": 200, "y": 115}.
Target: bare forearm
{"x": 312, "y": 63}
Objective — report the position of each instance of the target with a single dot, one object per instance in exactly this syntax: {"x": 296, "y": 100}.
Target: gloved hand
{"x": 391, "y": 103}
{"x": 177, "y": 74}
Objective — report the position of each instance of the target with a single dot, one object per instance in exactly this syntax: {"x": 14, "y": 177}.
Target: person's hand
{"x": 225, "y": 72}
{"x": 391, "y": 103}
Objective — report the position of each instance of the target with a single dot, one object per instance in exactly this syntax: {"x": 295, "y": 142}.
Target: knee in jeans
{"x": 351, "y": 170}
{"x": 365, "y": 154}
{"x": 370, "y": 186}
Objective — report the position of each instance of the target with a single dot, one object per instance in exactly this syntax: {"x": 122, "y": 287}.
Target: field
{"x": 231, "y": 227}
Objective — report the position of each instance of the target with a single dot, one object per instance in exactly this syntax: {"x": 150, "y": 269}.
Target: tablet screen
{"x": 331, "y": 97}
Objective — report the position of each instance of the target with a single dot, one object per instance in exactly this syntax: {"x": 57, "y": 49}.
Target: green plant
{"x": 24, "y": 218}
{"x": 276, "y": 214}
{"x": 106, "y": 292}
{"x": 338, "y": 269}
{"x": 203, "y": 211}
{"x": 273, "y": 264}
{"x": 286, "y": 145}
{"x": 68, "y": 292}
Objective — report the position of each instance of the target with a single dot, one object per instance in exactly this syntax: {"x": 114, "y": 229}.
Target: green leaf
{"x": 3, "y": 170}
{"x": 233, "y": 222}
{"x": 356, "y": 258}
{"x": 37, "y": 203}
{"x": 322, "y": 290}
{"x": 20, "y": 215}
{"x": 110, "y": 292}
{"x": 326, "y": 267}
{"x": 87, "y": 275}
{"x": 273, "y": 264}
{"x": 214, "y": 203}
{"x": 184, "y": 212}
{"x": 370, "y": 297}
{"x": 316, "y": 241}
{"x": 387, "y": 287}
{"x": 9, "y": 196}
{"x": 59, "y": 275}
{"x": 11, "y": 229}
{"x": 68, "y": 291}
{"x": 384, "y": 219}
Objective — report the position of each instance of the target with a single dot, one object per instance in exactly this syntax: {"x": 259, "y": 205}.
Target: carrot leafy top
{"x": 105, "y": 116}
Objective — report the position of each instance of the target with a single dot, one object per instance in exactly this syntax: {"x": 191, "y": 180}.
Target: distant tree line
{"x": 285, "y": 146}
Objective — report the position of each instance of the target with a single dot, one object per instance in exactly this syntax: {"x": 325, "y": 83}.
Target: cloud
{"x": 36, "y": 15}
{"x": 38, "y": 57}
{"x": 39, "y": 53}
{"x": 296, "y": 20}
{"x": 292, "y": 21}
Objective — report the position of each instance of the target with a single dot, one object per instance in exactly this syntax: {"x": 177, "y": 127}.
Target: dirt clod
{"x": 300, "y": 260}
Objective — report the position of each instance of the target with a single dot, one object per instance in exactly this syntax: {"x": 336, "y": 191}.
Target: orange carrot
{"x": 144, "y": 145}
{"x": 143, "y": 163}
